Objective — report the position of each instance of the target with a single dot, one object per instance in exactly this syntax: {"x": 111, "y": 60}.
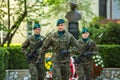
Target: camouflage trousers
{"x": 61, "y": 71}
{"x": 84, "y": 71}
{"x": 37, "y": 73}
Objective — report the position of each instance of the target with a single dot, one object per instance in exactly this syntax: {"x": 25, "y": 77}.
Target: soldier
{"x": 37, "y": 72}
{"x": 85, "y": 67}
{"x": 63, "y": 44}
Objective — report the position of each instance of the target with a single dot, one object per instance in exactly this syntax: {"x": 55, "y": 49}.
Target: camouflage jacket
{"x": 65, "y": 42}
{"x": 93, "y": 49}
{"x": 30, "y": 44}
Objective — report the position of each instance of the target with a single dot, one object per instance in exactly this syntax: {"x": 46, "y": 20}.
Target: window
{"x": 103, "y": 8}
{"x": 29, "y": 28}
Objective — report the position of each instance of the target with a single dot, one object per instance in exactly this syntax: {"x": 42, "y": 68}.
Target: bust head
{"x": 73, "y": 5}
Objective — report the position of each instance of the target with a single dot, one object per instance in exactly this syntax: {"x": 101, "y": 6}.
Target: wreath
{"x": 97, "y": 66}
{"x": 48, "y": 66}
{"x": 48, "y": 62}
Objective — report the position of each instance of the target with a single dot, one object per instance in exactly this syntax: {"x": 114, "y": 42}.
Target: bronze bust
{"x": 73, "y": 17}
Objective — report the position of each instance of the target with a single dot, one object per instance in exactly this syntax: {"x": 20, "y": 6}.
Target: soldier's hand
{"x": 40, "y": 60}
{"x": 88, "y": 54}
{"x": 77, "y": 61}
{"x": 64, "y": 52}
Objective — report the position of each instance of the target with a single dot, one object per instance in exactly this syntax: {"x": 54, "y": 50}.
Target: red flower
{"x": 96, "y": 70}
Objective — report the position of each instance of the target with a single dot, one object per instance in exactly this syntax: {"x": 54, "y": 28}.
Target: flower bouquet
{"x": 97, "y": 66}
{"x": 48, "y": 66}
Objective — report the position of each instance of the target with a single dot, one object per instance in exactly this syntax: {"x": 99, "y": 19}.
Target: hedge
{"x": 17, "y": 60}
{"x": 111, "y": 34}
{"x": 109, "y": 31}
{"x": 111, "y": 55}
{"x": 3, "y": 62}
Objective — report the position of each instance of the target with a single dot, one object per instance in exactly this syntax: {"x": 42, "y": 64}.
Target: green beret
{"x": 84, "y": 30}
{"x": 60, "y": 21}
{"x": 36, "y": 25}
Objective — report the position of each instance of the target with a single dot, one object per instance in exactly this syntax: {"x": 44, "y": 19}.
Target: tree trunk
{"x": 12, "y": 34}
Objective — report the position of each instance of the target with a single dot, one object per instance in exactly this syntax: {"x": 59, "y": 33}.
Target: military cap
{"x": 60, "y": 21}
{"x": 36, "y": 25}
{"x": 84, "y": 30}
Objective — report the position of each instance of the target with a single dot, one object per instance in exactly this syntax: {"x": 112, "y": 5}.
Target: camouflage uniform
{"x": 61, "y": 66}
{"x": 37, "y": 73}
{"x": 85, "y": 67}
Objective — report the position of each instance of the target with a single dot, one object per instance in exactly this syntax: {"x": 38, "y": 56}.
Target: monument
{"x": 73, "y": 17}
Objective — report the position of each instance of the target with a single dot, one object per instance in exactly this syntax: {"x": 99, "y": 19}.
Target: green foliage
{"x": 51, "y": 2}
{"x": 13, "y": 44}
{"x": 17, "y": 59}
{"x": 40, "y": 10}
{"x": 20, "y": 15}
{"x": 97, "y": 19}
{"x": 3, "y": 62}
{"x": 95, "y": 30}
{"x": 2, "y": 27}
{"x": 110, "y": 31}
{"x": 111, "y": 34}
{"x": 111, "y": 55}
{"x": 84, "y": 7}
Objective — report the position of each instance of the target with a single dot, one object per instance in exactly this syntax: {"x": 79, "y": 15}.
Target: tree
{"x": 62, "y": 6}
{"x": 36, "y": 10}
{"x": 11, "y": 31}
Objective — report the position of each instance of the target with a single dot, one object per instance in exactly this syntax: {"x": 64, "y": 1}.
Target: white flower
{"x": 95, "y": 60}
{"x": 102, "y": 65}
{"x": 97, "y": 56}
{"x": 98, "y": 59}
{"x": 101, "y": 61}
{"x": 93, "y": 57}
{"x": 96, "y": 64}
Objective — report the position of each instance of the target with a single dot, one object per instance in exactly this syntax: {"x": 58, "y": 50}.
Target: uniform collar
{"x": 61, "y": 33}
{"x": 36, "y": 36}
{"x": 85, "y": 39}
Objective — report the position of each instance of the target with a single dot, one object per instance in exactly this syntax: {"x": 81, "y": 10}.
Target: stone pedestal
{"x": 73, "y": 29}
{"x": 107, "y": 74}
{"x": 17, "y": 74}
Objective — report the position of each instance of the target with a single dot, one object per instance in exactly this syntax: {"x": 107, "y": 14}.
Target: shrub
{"x": 3, "y": 62}
{"x": 111, "y": 34}
{"x": 17, "y": 60}
{"x": 111, "y": 55}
